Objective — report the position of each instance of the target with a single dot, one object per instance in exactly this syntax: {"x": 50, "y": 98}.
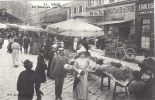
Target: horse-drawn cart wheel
{"x": 120, "y": 53}
{"x": 130, "y": 54}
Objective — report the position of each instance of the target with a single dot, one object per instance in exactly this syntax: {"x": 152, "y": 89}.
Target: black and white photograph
{"x": 77, "y": 50}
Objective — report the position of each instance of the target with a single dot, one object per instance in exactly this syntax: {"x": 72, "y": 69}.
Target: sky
{"x": 41, "y": 3}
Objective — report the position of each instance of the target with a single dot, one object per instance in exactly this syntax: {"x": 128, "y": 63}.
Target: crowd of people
{"x": 138, "y": 88}
{"x": 54, "y": 53}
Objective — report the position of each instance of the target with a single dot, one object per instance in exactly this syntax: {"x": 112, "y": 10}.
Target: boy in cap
{"x": 26, "y": 81}
{"x": 136, "y": 87}
{"x": 58, "y": 73}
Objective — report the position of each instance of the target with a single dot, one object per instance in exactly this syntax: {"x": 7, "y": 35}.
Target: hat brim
{"x": 81, "y": 52}
{"x": 60, "y": 51}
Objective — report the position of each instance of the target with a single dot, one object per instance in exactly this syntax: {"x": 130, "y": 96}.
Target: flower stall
{"x": 121, "y": 75}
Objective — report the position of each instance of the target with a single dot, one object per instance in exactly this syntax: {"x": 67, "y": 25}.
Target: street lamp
{"x": 3, "y": 11}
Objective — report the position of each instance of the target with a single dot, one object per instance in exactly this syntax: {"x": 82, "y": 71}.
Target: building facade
{"x": 118, "y": 18}
{"x": 54, "y": 15}
{"x": 145, "y": 24}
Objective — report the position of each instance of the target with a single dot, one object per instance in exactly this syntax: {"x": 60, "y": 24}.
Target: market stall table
{"x": 118, "y": 83}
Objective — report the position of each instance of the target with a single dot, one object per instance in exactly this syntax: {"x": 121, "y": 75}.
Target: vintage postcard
{"x": 77, "y": 50}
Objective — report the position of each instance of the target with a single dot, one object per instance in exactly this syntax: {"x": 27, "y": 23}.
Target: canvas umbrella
{"x": 82, "y": 33}
{"x": 3, "y": 26}
{"x": 32, "y": 28}
{"x": 74, "y": 27}
{"x": 12, "y": 26}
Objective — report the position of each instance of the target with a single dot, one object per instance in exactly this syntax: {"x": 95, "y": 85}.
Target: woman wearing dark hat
{"x": 147, "y": 65}
{"x": 136, "y": 87}
{"x": 41, "y": 66}
{"x": 26, "y": 81}
{"x": 80, "y": 87}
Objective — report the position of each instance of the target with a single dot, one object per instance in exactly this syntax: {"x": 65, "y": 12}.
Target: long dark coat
{"x": 40, "y": 69}
{"x": 26, "y": 42}
{"x": 25, "y": 85}
{"x": 57, "y": 67}
{"x": 50, "y": 58}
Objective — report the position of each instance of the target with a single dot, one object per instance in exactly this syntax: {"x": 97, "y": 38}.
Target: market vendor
{"x": 147, "y": 65}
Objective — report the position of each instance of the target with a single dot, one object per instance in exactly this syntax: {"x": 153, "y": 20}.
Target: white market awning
{"x": 112, "y": 22}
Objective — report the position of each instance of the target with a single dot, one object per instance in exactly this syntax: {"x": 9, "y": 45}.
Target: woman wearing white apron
{"x": 15, "y": 52}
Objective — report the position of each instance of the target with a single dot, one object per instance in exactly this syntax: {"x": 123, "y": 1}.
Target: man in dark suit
{"x": 26, "y": 44}
{"x": 58, "y": 73}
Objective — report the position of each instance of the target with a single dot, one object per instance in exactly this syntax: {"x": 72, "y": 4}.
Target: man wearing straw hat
{"x": 58, "y": 73}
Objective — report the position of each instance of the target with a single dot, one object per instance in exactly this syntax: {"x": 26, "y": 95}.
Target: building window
{"x": 111, "y": 1}
{"x": 80, "y": 9}
{"x": 145, "y": 39}
{"x": 74, "y": 9}
{"x": 92, "y": 2}
{"x": 102, "y": 2}
{"x": 89, "y": 3}
{"x": 99, "y": 2}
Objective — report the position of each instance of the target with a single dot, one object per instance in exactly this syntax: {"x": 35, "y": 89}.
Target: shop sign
{"x": 145, "y": 8}
{"x": 96, "y": 13}
{"x": 55, "y": 16}
{"x": 90, "y": 13}
{"x": 121, "y": 12}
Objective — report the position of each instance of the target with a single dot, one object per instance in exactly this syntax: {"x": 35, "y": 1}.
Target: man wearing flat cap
{"x": 58, "y": 73}
{"x": 27, "y": 80}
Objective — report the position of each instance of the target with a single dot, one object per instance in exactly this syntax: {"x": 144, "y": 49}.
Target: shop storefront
{"x": 119, "y": 20}
{"x": 90, "y": 16}
{"x": 145, "y": 24}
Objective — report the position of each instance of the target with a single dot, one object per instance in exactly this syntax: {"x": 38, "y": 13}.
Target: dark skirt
{"x": 9, "y": 48}
{"x": 41, "y": 72}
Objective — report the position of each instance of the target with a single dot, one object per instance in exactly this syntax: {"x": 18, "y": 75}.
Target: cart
{"x": 126, "y": 51}
{"x": 121, "y": 51}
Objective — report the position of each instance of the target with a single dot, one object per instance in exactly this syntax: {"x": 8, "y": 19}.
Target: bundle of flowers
{"x": 123, "y": 74}
{"x": 109, "y": 69}
{"x": 95, "y": 63}
{"x": 97, "y": 60}
{"x": 69, "y": 54}
{"x": 115, "y": 64}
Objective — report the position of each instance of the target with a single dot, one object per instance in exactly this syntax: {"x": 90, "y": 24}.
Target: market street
{"x": 9, "y": 75}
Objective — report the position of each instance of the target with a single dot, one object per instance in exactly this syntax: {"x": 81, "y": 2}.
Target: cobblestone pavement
{"x": 9, "y": 75}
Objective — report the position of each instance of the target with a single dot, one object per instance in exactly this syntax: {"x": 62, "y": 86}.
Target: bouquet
{"x": 68, "y": 67}
{"x": 80, "y": 73}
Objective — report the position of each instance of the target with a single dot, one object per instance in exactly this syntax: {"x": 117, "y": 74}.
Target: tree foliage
{"x": 19, "y": 9}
